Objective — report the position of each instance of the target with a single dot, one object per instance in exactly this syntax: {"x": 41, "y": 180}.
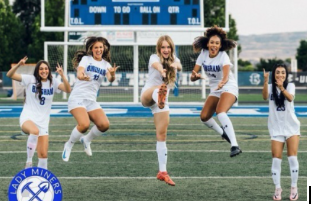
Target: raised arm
{"x": 265, "y": 85}
{"x": 64, "y": 86}
{"x": 159, "y": 67}
{"x": 177, "y": 66}
{"x": 12, "y": 72}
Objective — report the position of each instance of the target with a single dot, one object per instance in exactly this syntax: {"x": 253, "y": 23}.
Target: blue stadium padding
{"x": 139, "y": 111}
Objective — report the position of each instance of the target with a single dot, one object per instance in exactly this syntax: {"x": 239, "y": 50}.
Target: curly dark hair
{"x": 89, "y": 42}
{"x": 279, "y": 100}
{"x": 202, "y": 41}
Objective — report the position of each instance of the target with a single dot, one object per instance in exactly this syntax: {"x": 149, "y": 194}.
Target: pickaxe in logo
{"x": 43, "y": 187}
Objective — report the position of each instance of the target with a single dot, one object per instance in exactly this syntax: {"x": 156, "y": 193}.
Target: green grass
{"x": 126, "y": 162}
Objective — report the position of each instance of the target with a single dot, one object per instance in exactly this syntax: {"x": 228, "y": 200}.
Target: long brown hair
{"x": 202, "y": 41}
{"x": 89, "y": 42}
{"x": 170, "y": 72}
{"x": 38, "y": 78}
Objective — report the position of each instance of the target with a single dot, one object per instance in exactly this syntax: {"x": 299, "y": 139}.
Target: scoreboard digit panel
{"x": 135, "y": 12}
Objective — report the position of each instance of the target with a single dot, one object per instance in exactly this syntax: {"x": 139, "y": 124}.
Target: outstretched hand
{"x": 197, "y": 75}
{"x": 164, "y": 73}
{"x": 174, "y": 65}
{"x": 59, "y": 69}
{"x": 23, "y": 61}
{"x": 266, "y": 75}
{"x": 113, "y": 70}
{"x": 220, "y": 85}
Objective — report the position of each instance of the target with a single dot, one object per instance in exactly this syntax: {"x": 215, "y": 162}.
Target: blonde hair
{"x": 170, "y": 72}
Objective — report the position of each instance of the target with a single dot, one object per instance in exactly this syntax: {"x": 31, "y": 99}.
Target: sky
{"x": 268, "y": 16}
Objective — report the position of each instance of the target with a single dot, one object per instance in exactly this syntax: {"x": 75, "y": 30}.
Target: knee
{"x": 104, "y": 127}
{"x": 34, "y": 131}
{"x": 291, "y": 153}
{"x": 204, "y": 117}
{"x": 161, "y": 136}
{"x": 276, "y": 155}
{"x": 83, "y": 127}
{"x": 42, "y": 154}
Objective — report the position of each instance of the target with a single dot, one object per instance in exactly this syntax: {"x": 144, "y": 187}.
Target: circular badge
{"x": 35, "y": 184}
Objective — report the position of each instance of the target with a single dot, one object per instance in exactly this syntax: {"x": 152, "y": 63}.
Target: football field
{"x": 124, "y": 162}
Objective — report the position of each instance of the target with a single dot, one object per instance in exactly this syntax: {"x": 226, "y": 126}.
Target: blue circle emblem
{"x": 35, "y": 184}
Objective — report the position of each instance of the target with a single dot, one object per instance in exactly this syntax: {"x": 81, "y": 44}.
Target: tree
{"x": 302, "y": 55}
{"x": 11, "y": 30}
{"x": 54, "y": 16}
{"x": 214, "y": 14}
{"x": 269, "y": 64}
{"x": 245, "y": 65}
{"x": 26, "y": 11}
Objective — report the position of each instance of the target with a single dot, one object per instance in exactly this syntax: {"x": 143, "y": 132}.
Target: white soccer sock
{"x": 211, "y": 123}
{"x": 75, "y": 136}
{"x": 43, "y": 163}
{"x": 228, "y": 128}
{"x": 294, "y": 170}
{"x": 94, "y": 132}
{"x": 276, "y": 169}
{"x": 31, "y": 146}
{"x": 162, "y": 155}
{"x": 155, "y": 95}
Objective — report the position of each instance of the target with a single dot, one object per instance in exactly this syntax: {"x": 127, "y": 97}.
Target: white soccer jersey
{"x": 34, "y": 109}
{"x": 282, "y": 121}
{"x": 213, "y": 68}
{"x": 96, "y": 70}
{"x": 155, "y": 77}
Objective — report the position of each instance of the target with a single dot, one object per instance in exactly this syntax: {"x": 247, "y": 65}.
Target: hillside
{"x": 280, "y": 45}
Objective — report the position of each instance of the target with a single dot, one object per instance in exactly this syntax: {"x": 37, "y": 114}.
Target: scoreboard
{"x": 135, "y": 12}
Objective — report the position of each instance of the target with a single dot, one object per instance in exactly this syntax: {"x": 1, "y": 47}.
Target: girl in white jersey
{"x": 224, "y": 89}
{"x": 35, "y": 117}
{"x": 283, "y": 125}
{"x": 92, "y": 66}
{"x": 162, "y": 73}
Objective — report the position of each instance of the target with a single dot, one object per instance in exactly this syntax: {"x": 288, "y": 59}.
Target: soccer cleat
{"x": 28, "y": 165}
{"x": 87, "y": 148}
{"x": 163, "y": 176}
{"x": 225, "y": 136}
{"x": 277, "y": 194}
{"x": 66, "y": 153}
{"x": 234, "y": 151}
{"x": 162, "y": 96}
{"x": 293, "y": 194}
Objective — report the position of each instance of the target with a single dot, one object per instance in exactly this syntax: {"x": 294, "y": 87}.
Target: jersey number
{"x": 281, "y": 108}
{"x": 96, "y": 77}
{"x": 42, "y": 101}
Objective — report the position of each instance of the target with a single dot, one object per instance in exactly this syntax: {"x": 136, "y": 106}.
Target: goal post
{"x": 159, "y": 17}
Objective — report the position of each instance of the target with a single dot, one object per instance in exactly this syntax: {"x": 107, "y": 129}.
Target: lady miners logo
{"x": 35, "y": 184}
